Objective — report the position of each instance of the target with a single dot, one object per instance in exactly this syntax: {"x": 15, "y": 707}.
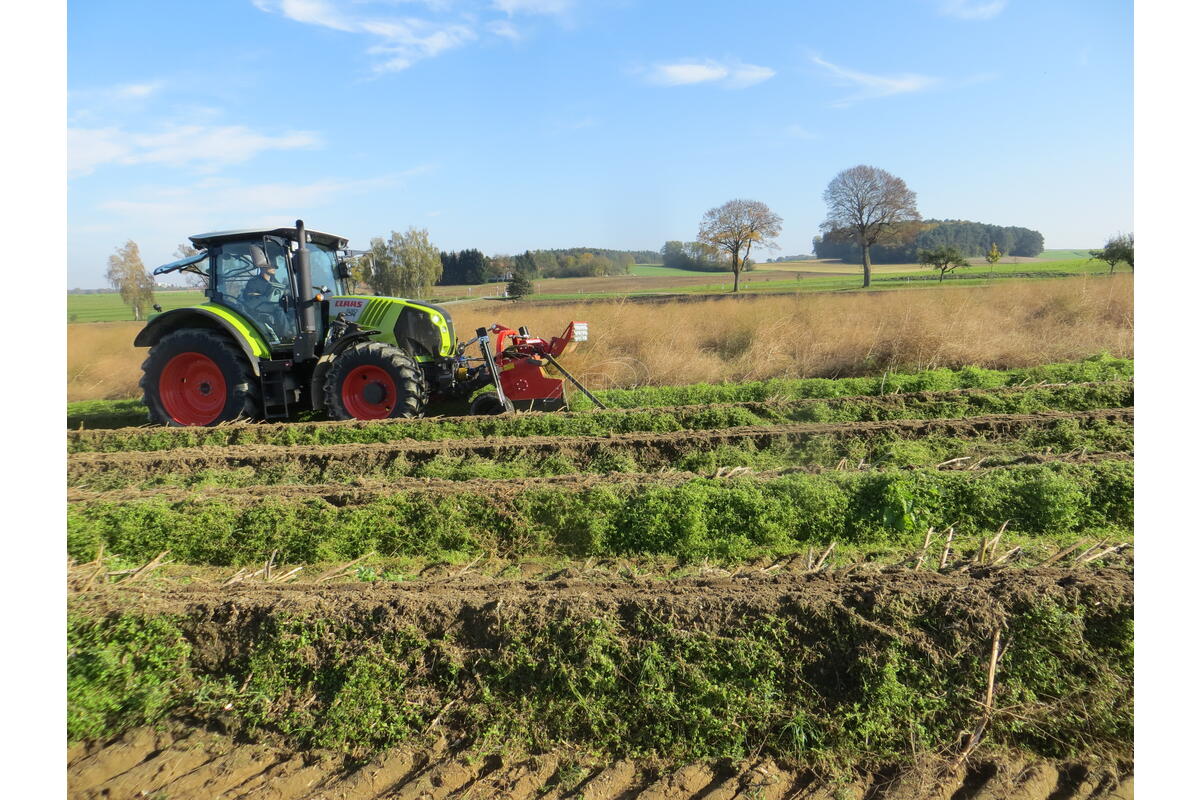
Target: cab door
{"x": 254, "y": 278}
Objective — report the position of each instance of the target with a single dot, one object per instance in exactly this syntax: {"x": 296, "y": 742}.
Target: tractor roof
{"x": 206, "y": 240}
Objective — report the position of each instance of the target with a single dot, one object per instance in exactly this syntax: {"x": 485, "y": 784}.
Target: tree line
{"x": 472, "y": 266}
{"x": 970, "y": 239}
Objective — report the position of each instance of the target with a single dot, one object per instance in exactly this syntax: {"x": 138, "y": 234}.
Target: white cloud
{"x": 874, "y": 86}
{"x": 735, "y": 75}
{"x": 226, "y": 203}
{"x": 206, "y": 147}
{"x": 511, "y": 7}
{"x": 972, "y": 9}
{"x": 135, "y": 90}
{"x": 402, "y": 40}
{"x": 408, "y": 41}
{"x": 504, "y": 29}
{"x": 743, "y": 75}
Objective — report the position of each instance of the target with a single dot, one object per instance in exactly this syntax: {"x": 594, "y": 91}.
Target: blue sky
{"x": 520, "y": 124}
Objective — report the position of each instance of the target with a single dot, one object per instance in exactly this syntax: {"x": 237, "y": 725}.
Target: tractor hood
{"x": 423, "y": 329}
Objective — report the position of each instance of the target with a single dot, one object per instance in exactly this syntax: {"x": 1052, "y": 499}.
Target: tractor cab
{"x": 251, "y": 272}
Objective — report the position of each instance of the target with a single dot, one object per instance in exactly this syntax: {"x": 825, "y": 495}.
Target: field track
{"x": 205, "y": 764}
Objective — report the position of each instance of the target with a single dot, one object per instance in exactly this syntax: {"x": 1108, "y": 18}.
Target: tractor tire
{"x": 373, "y": 380}
{"x": 487, "y": 403}
{"x": 198, "y": 377}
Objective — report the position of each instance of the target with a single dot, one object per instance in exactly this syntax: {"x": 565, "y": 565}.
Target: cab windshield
{"x": 323, "y": 262}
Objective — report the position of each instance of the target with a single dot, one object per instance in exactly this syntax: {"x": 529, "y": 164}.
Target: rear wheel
{"x": 197, "y": 377}
{"x": 373, "y": 380}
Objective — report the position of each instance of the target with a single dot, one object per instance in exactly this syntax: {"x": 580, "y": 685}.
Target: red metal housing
{"x": 521, "y": 361}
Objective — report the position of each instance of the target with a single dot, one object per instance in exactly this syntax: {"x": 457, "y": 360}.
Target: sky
{"x": 507, "y": 125}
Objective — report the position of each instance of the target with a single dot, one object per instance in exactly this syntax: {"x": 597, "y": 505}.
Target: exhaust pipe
{"x": 306, "y": 342}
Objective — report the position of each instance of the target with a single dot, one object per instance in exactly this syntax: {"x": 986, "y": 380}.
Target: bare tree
{"x": 736, "y": 227}
{"x": 868, "y": 206}
{"x": 194, "y": 279}
{"x": 127, "y": 274}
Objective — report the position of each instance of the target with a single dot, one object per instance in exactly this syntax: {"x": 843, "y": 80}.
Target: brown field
{"x": 1012, "y": 325}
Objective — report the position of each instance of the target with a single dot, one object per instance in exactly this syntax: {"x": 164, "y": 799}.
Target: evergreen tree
{"x": 520, "y": 286}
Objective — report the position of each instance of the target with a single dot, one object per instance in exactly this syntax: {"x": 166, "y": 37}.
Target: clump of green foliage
{"x": 701, "y": 518}
{"x": 868, "y": 678}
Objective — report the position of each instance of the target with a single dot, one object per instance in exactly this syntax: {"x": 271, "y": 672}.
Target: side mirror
{"x": 343, "y": 270}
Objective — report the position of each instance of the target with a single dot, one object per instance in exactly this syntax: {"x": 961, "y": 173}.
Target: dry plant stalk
{"x": 338, "y": 571}
{"x": 1114, "y": 549}
{"x": 946, "y": 551}
{"x": 924, "y": 548}
{"x": 1080, "y": 558}
{"x": 1006, "y": 556}
{"x": 977, "y": 735}
{"x": 821, "y": 561}
{"x": 285, "y": 577}
{"x": 1064, "y": 551}
{"x": 145, "y": 569}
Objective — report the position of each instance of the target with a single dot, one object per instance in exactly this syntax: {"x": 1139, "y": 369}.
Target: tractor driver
{"x": 262, "y": 294}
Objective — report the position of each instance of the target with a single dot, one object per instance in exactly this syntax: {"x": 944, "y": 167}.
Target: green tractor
{"x": 279, "y": 334}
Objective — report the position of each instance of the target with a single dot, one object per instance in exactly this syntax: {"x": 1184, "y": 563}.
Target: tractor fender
{"x": 209, "y": 317}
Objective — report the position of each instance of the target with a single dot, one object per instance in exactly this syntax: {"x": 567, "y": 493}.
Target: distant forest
{"x": 472, "y": 266}
{"x": 971, "y": 238}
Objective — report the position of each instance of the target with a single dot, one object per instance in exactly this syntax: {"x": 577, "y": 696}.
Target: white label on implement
{"x": 350, "y": 307}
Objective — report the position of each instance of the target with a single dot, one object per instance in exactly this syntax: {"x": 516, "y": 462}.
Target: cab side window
{"x": 255, "y": 280}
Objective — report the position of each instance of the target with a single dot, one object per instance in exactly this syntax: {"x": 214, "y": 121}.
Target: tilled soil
{"x": 187, "y": 760}
{"x": 195, "y": 763}
{"x": 697, "y": 602}
{"x": 649, "y": 450}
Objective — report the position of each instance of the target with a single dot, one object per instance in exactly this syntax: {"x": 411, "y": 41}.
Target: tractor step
{"x": 274, "y": 378}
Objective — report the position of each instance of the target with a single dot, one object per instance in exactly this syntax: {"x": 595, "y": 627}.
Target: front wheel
{"x": 197, "y": 377}
{"x": 372, "y": 380}
{"x": 487, "y": 403}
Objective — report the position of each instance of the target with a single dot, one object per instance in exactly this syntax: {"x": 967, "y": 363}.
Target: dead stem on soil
{"x": 977, "y": 735}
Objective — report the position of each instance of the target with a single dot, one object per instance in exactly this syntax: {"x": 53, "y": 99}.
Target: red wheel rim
{"x": 192, "y": 389}
{"x": 369, "y": 392}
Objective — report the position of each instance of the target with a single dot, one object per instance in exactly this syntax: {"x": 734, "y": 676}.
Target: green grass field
{"x": 810, "y": 276}
{"x": 1056, "y": 255}
{"x": 883, "y": 277}
{"x": 109, "y": 308}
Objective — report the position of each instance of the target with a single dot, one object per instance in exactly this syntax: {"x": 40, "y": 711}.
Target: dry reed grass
{"x": 1013, "y": 324}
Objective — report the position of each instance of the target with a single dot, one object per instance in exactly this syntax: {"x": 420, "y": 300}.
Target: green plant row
{"x": 1095, "y": 368}
{"x": 870, "y": 677}
{"x": 953, "y": 404}
{"x": 889, "y": 447}
{"x": 701, "y": 518}
{"x": 94, "y": 414}
{"x": 106, "y": 414}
